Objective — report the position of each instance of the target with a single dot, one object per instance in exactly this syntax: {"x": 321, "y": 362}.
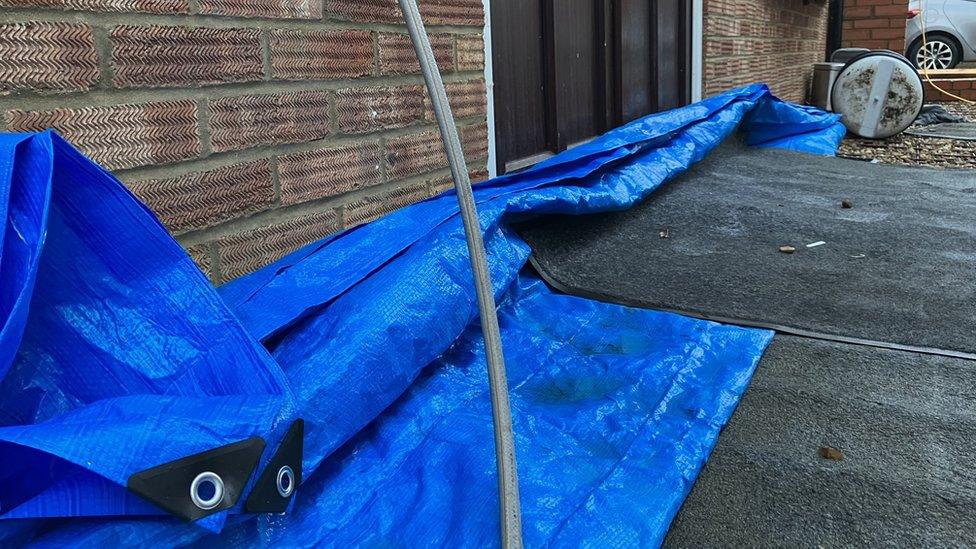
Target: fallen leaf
{"x": 831, "y": 453}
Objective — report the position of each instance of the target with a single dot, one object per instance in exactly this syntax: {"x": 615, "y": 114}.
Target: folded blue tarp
{"x": 118, "y": 356}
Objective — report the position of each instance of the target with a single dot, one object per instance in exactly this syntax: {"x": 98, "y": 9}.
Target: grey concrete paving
{"x": 905, "y": 424}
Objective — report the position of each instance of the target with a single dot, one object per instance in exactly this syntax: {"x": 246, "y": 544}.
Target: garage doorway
{"x": 567, "y": 70}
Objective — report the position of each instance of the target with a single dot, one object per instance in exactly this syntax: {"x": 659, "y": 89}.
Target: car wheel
{"x": 939, "y": 52}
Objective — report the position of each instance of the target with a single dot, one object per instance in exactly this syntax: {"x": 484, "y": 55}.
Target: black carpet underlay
{"x": 903, "y": 423}
{"x": 965, "y": 131}
{"x": 897, "y": 268}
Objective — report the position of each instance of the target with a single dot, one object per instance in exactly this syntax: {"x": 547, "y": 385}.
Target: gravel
{"x": 912, "y": 150}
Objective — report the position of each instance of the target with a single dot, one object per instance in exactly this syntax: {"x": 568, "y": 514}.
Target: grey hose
{"x": 508, "y": 493}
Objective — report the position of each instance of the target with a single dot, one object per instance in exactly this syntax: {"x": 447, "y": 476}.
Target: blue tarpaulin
{"x": 118, "y": 355}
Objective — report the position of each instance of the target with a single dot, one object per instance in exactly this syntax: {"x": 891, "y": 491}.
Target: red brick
{"x": 146, "y": 6}
{"x": 414, "y": 154}
{"x": 898, "y": 10}
{"x": 872, "y": 23}
{"x": 378, "y": 205}
{"x": 378, "y": 107}
{"x": 251, "y": 120}
{"x": 467, "y": 98}
{"x": 365, "y": 11}
{"x": 397, "y": 55}
{"x": 858, "y": 12}
{"x": 121, "y": 136}
{"x": 478, "y": 174}
{"x": 328, "y": 172}
{"x": 306, "y": 55}
{"x": 200, "y": 254}
{"x": 179, "y": 56}
{"x": 434, "y": 12}
{"x": 452, "y": 12}
{"x": 888, "y": 33}
{"x": 474, "y": 140}
{"x": 873, "y": 44}
{"x": 470, "y": 52}
{"x": 44, "y": 56}
{"x": 252, "y": 249}
{"x": 203, "y": 199}
{"x": 284, "y": 9}
{"x": 858, "y": 34}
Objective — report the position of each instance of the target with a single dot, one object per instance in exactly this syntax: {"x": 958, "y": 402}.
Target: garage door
{"x": 568, "y": 70}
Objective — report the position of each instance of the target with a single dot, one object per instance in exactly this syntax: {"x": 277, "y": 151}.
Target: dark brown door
{"x": 568, "y": 70}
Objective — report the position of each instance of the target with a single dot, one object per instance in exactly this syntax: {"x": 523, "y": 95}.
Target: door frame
{"x": 697, "y": 26}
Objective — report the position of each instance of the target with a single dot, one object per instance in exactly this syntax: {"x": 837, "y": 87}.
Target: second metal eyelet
{"x": 286, "y": 481}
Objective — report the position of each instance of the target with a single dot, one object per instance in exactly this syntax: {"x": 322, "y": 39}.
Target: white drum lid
{"x": 879, "y": 94}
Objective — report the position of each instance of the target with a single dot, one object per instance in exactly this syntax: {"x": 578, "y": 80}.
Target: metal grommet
{"x": 207, "y": 490}
{"x": 286, "y": 481}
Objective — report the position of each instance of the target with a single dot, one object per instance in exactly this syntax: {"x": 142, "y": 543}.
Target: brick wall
{"x": 959, "y": 87}
{"x": 251, "y": 127}
{"x": 771, "y": 41}
{"x": 875, "y": 24}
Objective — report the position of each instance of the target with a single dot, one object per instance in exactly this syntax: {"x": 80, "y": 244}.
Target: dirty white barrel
{"x": 879, "y": 94}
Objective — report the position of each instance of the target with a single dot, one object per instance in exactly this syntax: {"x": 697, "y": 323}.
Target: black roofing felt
{"x": 897, "y": 267}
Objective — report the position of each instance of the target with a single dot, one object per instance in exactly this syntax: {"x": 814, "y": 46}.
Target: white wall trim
{"x": 697, "y": 54}
{"x": 490, "y": 89}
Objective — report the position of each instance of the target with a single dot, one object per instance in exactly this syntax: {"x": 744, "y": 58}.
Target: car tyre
{"x": 946, "y": 49}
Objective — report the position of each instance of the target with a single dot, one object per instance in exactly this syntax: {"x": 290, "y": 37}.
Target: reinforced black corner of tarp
{"x": 280, "y": 479}
{"x": 202, "y": 484}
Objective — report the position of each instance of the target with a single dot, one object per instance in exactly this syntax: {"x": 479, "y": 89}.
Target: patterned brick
{"x": 375, "y": 206}
{"x": 121, "y": 136}
{"x": 470, "y": 52}
{"x": 467, "y": 99}
{"x": 397, "y": 55}
{"x": 203, "y": 199}
{"x": 474, "y": 140}
{"x": 365, "y": 11}
{"x": 177, "y": 56}
{"x": 453, "y": 12}
{"x": 250, "y": 120}
{"x": 378, "y": 107}
{"x": 304, "y": 55}
{"x": 775, "y": 42}
{"x": 250, "y": 250}
{"x": 282, "y": 9}
{"x": 47, "y": 57}
{"x": 434, "y": 12}
{"x": 201, "y": 256}
{"x": 146, "y": 6}
{"x": 477, "y": 175}
{"x": 328, "y": 172}
{"x": 414, "y": 154}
